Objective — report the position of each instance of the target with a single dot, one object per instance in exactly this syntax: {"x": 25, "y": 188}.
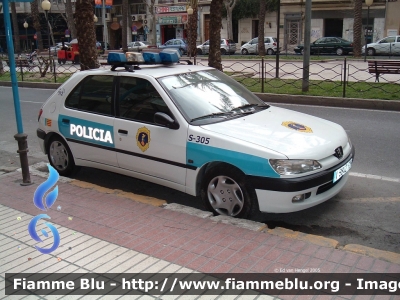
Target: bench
{"x": 20, "y": 62}
{"x": 378, "y": 67}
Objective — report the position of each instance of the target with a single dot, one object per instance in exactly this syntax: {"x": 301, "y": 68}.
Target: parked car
{"x": 179, "y": 44}
{"x": 194, "y": 129}
{"x": 137, "y": 46}
{"x": 388, "y": 45}
{"x": 327, "y": 45}
{"x": 227, "y": 46}
{"x": 251, "y": 47}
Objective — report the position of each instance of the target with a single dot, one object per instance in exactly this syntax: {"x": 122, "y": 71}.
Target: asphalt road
{"x": 365, "y": 212}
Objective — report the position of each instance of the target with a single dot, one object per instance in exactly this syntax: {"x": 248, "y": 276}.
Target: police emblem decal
{"x": 143, "y": 138}
{"x": 297, "y": 126}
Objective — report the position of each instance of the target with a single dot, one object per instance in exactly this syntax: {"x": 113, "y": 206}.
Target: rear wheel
{"x": 270, "y": 52}
{"x": 60, "y": 156}
{"x": 224, "y": 192}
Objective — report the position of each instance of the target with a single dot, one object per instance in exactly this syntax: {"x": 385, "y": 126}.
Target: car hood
{"x": 293, "y": 134}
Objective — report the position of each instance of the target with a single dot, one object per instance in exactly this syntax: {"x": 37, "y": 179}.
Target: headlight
{"x": 294, "y": 166}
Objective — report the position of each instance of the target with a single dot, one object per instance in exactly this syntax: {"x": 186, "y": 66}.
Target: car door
{"x": 396, "y": 46}
{"x": 385, "y": 45}
{"x": 144, "y": 147}
{"x": 318, "y": 46}
{"x": 86, "y": 120}
{"x": 206, "y": 47}
{"x": 253, "y": 45}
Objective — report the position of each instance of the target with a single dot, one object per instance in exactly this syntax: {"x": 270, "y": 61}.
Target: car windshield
{"x": 209, "y": 93}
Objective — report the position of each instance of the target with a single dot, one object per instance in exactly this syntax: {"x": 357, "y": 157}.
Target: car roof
{"x": 155, "y": 71}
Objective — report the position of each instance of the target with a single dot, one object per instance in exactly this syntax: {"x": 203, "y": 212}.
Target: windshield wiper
{"x": 211, "y": 116}
{"x": 249, "y": 106}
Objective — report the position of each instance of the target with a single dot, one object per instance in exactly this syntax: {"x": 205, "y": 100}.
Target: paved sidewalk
{"x": 107, "y": 232}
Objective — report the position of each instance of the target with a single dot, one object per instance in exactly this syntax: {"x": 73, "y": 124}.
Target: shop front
{"x": 171, "y": 22}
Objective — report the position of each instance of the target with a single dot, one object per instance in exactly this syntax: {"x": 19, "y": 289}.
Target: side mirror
{"x": 165, "y": 120}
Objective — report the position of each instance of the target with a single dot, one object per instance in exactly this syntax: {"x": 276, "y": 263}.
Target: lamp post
{"x": 190, "y": 13}
{"x": 368, "y": 3}
{"x": 46, "y": 5}
{"x": 26, "y": 25}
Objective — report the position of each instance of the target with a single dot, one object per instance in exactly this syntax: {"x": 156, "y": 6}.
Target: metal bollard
{"x": 23, "y": 156}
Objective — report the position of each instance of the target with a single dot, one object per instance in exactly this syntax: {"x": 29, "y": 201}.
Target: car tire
{"x": 60, "y": 156}
{"x": 270, "y": 52}
{"x": 223, "y": 51}
{"x": 339, "y": 51}
{"x": 371, "y": 52}
{"x": 224, "y": 192}
{"x": 245, "y": 52}
{"x": 199, "y": 52}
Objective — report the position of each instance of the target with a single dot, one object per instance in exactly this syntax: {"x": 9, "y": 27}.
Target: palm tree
{"x": 36, "y": 23}
{"x": 357, "y": 28}
{"x": 17, "y": 45}
{"x": 214, "y": 57}
{"x": 192, "y": 29}
{"x": 70, "y": 18}
{"x": 86, "y": 34}
{"x": 229, "y": 6}
{"x": 261, "y": 22}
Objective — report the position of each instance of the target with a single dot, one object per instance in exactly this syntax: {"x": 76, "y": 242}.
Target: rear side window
{"x": 93, "y": 94}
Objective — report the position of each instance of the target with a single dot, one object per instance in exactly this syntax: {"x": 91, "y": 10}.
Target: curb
{"x": 241, "y": 223}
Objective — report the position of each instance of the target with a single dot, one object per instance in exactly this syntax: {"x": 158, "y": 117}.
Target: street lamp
{"x": 190, "y": 13}
{"x": 46, "y": 5}
{"x": 368, "y": 3}
{"x": 26, "y": 25}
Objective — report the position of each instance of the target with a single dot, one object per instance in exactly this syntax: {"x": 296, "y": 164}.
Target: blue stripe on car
{"x": 249, "y": 164}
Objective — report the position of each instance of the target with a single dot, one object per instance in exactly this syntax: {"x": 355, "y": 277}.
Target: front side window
{"x": 206, "y": 93}
{"x": 93, "y": 94}
{"x": 139, "y": 100}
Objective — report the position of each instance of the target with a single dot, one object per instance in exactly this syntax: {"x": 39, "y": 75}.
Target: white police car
{"x": 194, "y": 129}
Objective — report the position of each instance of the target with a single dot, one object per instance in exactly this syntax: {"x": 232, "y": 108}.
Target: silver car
{"x": 137, "y": 46}
{"x": 227, "y": 46}
{"x": 251, "y": 47}
{"x": 388, "y": 45}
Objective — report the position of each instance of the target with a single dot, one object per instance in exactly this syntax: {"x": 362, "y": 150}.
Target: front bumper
{"x": 275, "y": 194}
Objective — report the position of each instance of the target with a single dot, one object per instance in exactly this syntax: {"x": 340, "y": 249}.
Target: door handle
{"x": 66, "y": 121}
{"x": 122, "y": 131}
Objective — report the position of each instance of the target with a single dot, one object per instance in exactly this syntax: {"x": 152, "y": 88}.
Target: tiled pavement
{"x": 103, "y": 232}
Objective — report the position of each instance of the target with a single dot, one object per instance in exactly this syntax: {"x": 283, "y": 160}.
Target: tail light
{"x": 274, "y": 44}
{"x": 40, "y": 114}
{"x": 226, "y": 42}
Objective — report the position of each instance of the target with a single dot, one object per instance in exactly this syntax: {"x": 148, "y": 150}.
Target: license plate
{"x": 340, "y": 172}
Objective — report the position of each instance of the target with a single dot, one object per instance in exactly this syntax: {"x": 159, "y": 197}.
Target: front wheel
{"x": 223, "y": 51}
{"x": 245, "y": 52}
{"x": 224, "y": 192}
{"x": 370, "y": 51}
{"x": 339, "y": 51}
{"x": 60, "y": 156}
{"x": 199, "y": 52}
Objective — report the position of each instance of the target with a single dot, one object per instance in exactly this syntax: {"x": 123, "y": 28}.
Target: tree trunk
{"x": 229, "y": 6}
{"x": 70, "y": 19}
{"x": 357, "y": 28}
{"x": 152, "y": 36}
{"x": 36, "y": 24}
{"x": 86, "y": 34}
{"x": 125, "y": 12}
{"x": 214, "y": 57}
{"x": 17, "y": 42}
{"x": 192, "y": 26}
{"x": 261, "y": 23}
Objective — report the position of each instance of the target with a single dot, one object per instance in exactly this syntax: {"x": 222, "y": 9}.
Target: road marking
{"x": 370, "y": 176}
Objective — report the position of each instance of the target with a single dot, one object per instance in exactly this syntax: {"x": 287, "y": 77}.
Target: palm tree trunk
{"x": 36, "y": 24}
{"x": 261, "y": 23}
{"x": 192, "y": 25}
{"x": 357, "y": 28}
{"x": 86, "y": 34}
{"x": 17, "y": 42}
{"x": 70, "y": 18}
{"x": 214, "y": 58}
